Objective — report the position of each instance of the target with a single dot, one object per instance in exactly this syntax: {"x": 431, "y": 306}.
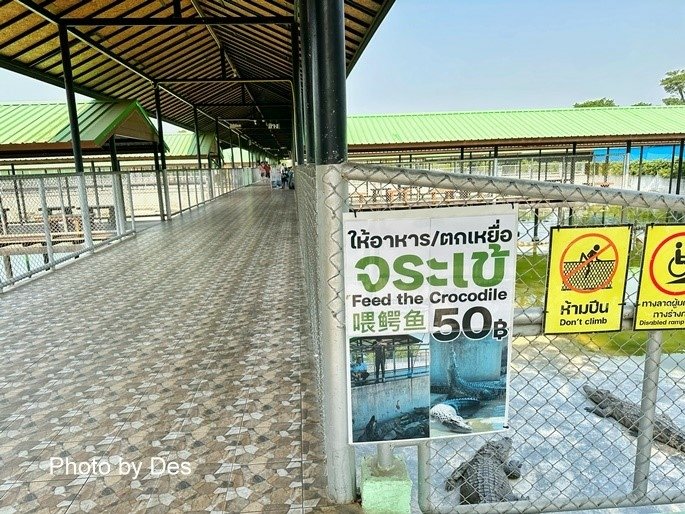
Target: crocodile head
{"x": 499, "y": 449}
{"x": 595, "y": 394}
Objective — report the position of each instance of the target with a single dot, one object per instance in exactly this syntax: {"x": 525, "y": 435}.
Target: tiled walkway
{"x": 183, "y": 344}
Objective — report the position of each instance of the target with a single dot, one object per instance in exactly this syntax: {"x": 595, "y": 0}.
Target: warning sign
{"x": 586, "y": 279}
{"x": 661, "y": 296}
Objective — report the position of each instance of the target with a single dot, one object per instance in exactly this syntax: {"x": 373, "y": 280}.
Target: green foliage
{"x": 657, "y": 167}
{"x": 641, "y": 104}
{"x": 631, "y": 343}
{"x": 674, "y": 83}
{"x": 673, "y": 101}
{"x": 599, "y": 102}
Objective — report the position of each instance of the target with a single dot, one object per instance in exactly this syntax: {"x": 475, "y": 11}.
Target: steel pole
{"x": 639, "y": 167}
{"x": 331, "y": 108}
{"x": 75, "y": 134}
{"x": 160, "y": 187}
{"x": 197, "y": 139}
{"x": 160, "y": 126}
{"x": 650, "y": 386}
{"x": 162, "y": 150}
{"x": 309, "y": 50}
{"x": 46, "y": 222}
{"x": 626, "y": 166}
{"x": 298, "y": 135}
{"x": 331, "y": 195}
{"x": 423, "y": 486}
{"x": 680, "y": 166}
{"x": 117, "y": 189}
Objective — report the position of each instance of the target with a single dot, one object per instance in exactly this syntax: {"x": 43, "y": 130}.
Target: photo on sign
{"x": 390, "y": 386}
{"x": 468, "y": 384}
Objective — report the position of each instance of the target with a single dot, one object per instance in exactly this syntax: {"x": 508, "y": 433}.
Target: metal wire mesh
{"x": 572, "y": 458}
{"x": 580, "y": 169}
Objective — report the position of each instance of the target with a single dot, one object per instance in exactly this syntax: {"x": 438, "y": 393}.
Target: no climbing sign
{"x": 661, "y": 297}
{"x": 586, "y": 279}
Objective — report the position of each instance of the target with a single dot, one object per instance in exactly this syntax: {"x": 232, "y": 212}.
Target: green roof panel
{"x": 48, "y": 122}
{"x": 533, "y": 124}
{"x": 182, "y": 144}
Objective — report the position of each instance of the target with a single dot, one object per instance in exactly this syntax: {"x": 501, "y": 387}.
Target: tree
{"x": 599, "y": 102}
{"x": 672, "y": 100}
{"x": 641, "y": 104}
{"x": 674, "y": 83}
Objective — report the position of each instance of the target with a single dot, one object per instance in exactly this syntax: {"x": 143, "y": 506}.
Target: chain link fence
{"x": 571, "y": 458}
{"x": 654, "y": 175}
{"x": 42, "y": 223}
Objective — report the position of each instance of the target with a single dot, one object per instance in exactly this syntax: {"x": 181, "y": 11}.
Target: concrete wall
{"x": 477, "y": 360}
{"x": 382, "y": 399}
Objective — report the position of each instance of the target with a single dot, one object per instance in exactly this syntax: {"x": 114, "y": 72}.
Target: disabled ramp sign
{"x": 661, "y": 295}
{"x": 586, "y": 279}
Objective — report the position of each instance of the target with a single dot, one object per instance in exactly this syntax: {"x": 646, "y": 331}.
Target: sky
{"x": 447, "y": 55}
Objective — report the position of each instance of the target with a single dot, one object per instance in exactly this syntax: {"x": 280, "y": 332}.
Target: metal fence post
{"x": 178, "y": 189}
{"x": 160, "y": 194}
{"x": 384, "y": 455}
{"x": 650, "y": 386}
{"x": 46, "y": 222}
{"x": 85, "y": 212}
{"x": 330, "y": 203}
{"x": 130, "y": 201}
{"x": 167, "y": 195}
{"x": 190, "y": 202}
{"x": 119, "y": 210}
{"x": 423, "y": 454}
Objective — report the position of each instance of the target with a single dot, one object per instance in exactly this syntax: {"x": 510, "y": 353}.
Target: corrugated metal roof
{"x": 40, "y": 123}
{"x": 183, "y": 144}
{"x": 516, "y": 125}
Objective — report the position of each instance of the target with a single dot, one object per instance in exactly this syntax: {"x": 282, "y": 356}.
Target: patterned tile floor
{"x": 181, "y": 345}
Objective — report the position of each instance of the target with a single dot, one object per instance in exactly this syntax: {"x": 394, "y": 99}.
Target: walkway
{"x": 184, "y": 344}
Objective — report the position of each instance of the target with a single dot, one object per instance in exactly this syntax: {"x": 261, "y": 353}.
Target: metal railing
{"x": 572, "y": 459}
{"x": 48, "y": 219}
{"x": 657, "y": 175}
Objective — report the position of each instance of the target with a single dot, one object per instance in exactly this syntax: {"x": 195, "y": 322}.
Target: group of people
{"x": 280, "y": 176}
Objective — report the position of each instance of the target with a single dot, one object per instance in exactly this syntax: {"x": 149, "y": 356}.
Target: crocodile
{"x": 448, "y": 417}
{"x": 482, "y": 390}
{"x": 485, "y": 477}
{"x": 412, "y": 425}
{"x": 461, "y": 405}
{"x": 628, "y": 414}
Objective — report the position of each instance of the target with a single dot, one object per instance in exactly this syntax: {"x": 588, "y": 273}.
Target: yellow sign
{"x": 586, "y": 279}
{"x": 661, "y": 296}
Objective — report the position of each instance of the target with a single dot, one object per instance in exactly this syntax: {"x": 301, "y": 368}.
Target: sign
{"x": 661, "y": 295}
{"x": 586, "y": 279}
{"x": 428, "y": 313}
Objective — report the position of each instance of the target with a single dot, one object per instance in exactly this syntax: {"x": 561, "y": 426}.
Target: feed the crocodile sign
{"x": 586, "y": 279}
{"x": 661, "y": 295}
{"x": 428, "y": 313}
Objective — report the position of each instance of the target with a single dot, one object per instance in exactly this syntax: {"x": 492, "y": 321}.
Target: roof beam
{"x": 47, "y": 15}
{"x": 175, "y": 21}
{"x": 193, "y": 80}
{"x": 247, "y": 104}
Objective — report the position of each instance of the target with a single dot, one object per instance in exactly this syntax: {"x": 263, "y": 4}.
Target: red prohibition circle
{"x": 564, "y": 278}
{"x": 651, "y": 266}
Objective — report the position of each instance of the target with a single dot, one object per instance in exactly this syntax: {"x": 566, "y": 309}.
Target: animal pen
{"x": 571, "y": 458}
